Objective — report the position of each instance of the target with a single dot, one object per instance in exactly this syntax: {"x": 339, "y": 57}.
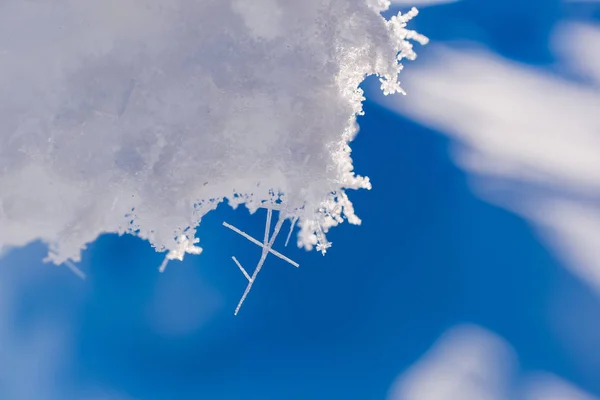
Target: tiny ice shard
{"x": 266, "y": 249}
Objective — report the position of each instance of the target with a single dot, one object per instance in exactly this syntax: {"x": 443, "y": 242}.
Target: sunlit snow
{"x": 141, "y": 117}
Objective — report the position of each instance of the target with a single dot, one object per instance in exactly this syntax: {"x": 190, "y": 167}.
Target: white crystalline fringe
{"x": 185, "y": 246}
{"x": 142, "y": 116}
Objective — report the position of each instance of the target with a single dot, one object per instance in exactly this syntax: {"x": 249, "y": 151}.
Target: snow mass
{"x": 140, "y": 117}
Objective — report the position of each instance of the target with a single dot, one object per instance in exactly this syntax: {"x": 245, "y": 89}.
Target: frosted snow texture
{"x": 141, "y": 116}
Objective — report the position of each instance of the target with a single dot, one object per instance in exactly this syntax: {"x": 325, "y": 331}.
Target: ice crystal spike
{"x": 75, "y": 269}
{"x": 266, "y": 249}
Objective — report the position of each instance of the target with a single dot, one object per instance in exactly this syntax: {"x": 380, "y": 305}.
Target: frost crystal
{"x": 142, "y": 116}
{"x": 266, "y": 245}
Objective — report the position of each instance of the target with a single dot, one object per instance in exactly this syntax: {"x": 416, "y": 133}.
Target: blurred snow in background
{"x": 36, "y": 335}
{"x": 529, "y": 137}
{"x": 471, "y": 363}
{"x": 467, "y": 362}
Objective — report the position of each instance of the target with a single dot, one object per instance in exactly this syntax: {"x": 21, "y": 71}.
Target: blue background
{"x": 429, "y": 255}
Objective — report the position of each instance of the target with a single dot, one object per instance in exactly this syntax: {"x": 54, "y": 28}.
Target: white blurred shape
{"x": 529, "y": 138}
{"x": 469, "y": 362}
{"x": 515, "y": 122}
{"x": 466, "y": 363}
{"x": 577, "y": 44}
{"x": 550, "y": 387}
{"x": 573, "y": 229}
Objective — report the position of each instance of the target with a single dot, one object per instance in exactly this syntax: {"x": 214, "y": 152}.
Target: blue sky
{"x": 430, "y": 255}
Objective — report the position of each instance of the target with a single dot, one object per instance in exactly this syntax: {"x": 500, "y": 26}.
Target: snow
{"x": 466, "y": 363}
{"x": 141, "y": 117}
{"x": 469, "y": 362}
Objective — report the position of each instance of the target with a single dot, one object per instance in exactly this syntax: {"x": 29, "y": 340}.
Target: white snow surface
{"x": 140, "y": 117}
